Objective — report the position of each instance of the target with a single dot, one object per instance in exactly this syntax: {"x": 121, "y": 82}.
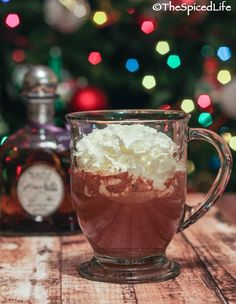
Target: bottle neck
{"x": 40, "y": 112}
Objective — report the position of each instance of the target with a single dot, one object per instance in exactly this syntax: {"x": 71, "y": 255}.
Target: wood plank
{"x": 78, "y": 290}
{"x": 214, "y": 242}
{"x": 227, "y": 209}
{"x": 29, "y": 270}
{"x": 188, "y": 287}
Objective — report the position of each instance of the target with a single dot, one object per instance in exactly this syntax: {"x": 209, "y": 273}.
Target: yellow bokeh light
{"x": 190, "y": 167}
{"x": 149, "y": 82}
{"x": 187, "y": 105}
{"x": 224, "y": 76}
{"x": 232, "y": 143}
{"x": 226, "y": 136}
{"x": 162, "y": 47}
{"x": 100, "y": 17}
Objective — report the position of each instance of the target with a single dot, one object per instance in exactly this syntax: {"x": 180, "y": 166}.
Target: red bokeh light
{"x": 165, "y": 107}
{"x": 18, "y": 170}
{"x": 188, "y": 2}
{"x": 12, "y": 20}
{"x": 18, "y": 56}
{"x": 148, "y": 26}
{"x": 89, "y": 98}
{"x": 131, "y": 11}
{"x": 94, "y": 58}
{"x": 204, "y": 101}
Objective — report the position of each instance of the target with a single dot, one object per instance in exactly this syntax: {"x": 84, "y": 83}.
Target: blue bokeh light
{"x": 5, "y": 1}
{"x": 132, "y": 65}
{"x": 214, "y": 163}
{"x": 224, "y": 53}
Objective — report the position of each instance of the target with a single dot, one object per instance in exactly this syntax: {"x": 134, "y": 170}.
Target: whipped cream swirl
{"x": 137, "y": 149}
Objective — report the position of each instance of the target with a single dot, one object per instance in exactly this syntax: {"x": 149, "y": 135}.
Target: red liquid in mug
{"x": 126, "y": 217}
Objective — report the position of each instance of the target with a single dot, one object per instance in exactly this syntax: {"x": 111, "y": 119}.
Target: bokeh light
{"x": 94, "y": 58}
{"x": 18, "y": 56}
{"x": 100, "y": 18}
{"x": 162, "y": 47}
{"x": 132, "y": 65}
{"x": 190, "y": 167}
{"x": 224, "y": 76}
{"x": 89, "y": 98}
{"x": 18, "y": 170}
{"x": 224, "y": 53}
{"x": 204, "y": 101}
{"x": 226, "y": 136}
{"x": 188, "y": 2}
{"x": 205, "y": 119}
{"x": 148, "y": 26}
{"x": 207, "y": 51}
{"x": 12, "y": 20}
{"x": 3, "y": 140}
{"x": 214, "y": 163}
{"x": 5, "y": 1}
{"x": 173, "y": 61}
{"x": 149, "y": 82}
{"x": 187, "y": 105}
{"x": 131, "y": 10}
{"x": 232, "y": 143}
{"x": 224, "y": 129}
{"x": 165, "y": 106}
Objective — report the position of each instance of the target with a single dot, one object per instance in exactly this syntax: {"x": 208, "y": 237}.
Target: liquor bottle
{"x": 34, "y": 166}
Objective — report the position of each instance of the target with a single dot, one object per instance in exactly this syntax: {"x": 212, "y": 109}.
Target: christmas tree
{"x": 124, "y": 54}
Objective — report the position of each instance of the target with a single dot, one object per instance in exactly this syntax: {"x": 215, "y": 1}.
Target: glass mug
{"x": 128, "y": 181}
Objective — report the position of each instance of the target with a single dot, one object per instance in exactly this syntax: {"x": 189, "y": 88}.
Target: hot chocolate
{"x": 128, "y": 190}
{"x": 127, "y": 217}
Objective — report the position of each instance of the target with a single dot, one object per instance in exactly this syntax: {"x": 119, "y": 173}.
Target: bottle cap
{"x": 40, "y": 82}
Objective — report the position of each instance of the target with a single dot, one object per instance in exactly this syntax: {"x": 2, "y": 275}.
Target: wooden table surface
{"x": 43, "y": 269}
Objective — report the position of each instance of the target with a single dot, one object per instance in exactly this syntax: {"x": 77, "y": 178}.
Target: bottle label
{"x": 40, "y": 190}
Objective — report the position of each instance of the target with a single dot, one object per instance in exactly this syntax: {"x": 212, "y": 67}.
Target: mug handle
{"x": 192, "y": 214}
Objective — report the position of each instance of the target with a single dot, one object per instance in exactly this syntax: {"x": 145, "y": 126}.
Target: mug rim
{"x": 89, "y": 116}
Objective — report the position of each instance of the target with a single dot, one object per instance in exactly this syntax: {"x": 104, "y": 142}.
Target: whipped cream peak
{"x": 140, "y": 150}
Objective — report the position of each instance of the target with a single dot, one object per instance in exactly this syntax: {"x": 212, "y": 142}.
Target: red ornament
{"x": 87, "y": 99}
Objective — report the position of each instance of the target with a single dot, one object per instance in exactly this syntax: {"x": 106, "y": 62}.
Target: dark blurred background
{"x": 123, "y": 54}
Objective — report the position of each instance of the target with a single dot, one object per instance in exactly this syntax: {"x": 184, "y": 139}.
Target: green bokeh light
{"x": 207, "y": 51}
{"x": 205, "y": 119}
{"x": 173, "y": 61}
{"x": 4, "y": 174}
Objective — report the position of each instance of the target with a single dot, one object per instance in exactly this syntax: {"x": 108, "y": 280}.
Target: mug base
{"x": 141, "y": 270}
